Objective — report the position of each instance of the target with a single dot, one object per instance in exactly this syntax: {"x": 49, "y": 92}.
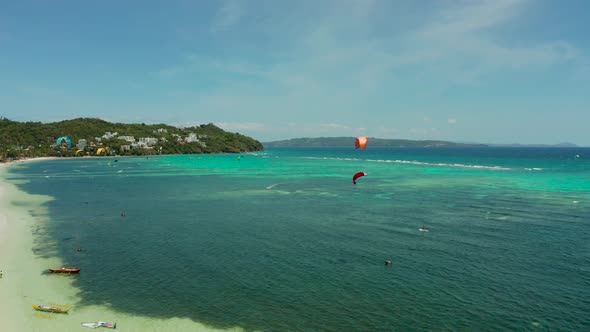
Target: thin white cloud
{"x": 170, "y": 72}
{"x": 423, "y": 133}
{"x": 237, "y": 126}
{"x": 334, "y": 126}
{"x": 331, "y": 58}
{"x": 466, "y": 30}
{"x": 384, "y": 132}
{"x": 228, "y": 15}
{"x": 194, "y": 64}
{"x": 337, "y": 51}
{"x": 470, "y": 17}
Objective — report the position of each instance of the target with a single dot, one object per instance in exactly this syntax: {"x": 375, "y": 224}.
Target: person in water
{"x": 387, "y": 262}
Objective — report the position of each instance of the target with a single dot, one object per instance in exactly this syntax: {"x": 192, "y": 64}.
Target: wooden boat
{"x": 66, "y": 270}
{"x": 51, "y": 309}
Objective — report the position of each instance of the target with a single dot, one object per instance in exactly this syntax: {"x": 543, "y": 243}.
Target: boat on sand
{"x": 51, "y": 309}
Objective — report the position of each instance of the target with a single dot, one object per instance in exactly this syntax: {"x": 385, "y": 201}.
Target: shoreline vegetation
{"x": 96, "y": 137}
{"x": 23, "y": 219}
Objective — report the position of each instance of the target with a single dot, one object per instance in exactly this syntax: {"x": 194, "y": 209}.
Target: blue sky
{"x": 499, "y": 71}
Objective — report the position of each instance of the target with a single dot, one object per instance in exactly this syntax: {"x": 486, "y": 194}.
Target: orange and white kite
{"x": 361, "y": 142}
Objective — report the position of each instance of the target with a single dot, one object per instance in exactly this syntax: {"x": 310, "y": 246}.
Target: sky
{"x": 499, "y": 71}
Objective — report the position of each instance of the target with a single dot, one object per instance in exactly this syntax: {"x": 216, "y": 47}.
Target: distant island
{"x": 517, "y": 145}
{"x": 397, "y": 143}
{"x": 90, "y": 136}
{"x": 376, "y": 142}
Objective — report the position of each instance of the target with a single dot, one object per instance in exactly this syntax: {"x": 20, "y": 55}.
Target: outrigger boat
{"x": 66, "y": 270}
{"x": 94, "y": 325}
{"x": 51, "y": 309}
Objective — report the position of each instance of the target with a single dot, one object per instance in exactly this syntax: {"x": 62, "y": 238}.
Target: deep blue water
{"x": 283, "y": 241}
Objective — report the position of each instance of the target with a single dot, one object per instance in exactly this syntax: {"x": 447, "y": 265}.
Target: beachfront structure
{"x": 140, "y": 145}
{"x": 125, "y": 148}
{"x": 161, "y": 130}
{"x": 149, "y": 141}
{"x": 109, "y": 135}
{"x": 191, "y": 138}
{"x": 98, "y": 139}
{"x": 82, "y": 143}
{"x": 130, "y": 139}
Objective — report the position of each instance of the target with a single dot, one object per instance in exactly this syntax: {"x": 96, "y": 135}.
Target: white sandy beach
{"x": 24, "y": 282}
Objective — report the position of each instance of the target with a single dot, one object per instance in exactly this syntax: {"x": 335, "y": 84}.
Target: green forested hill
{"x": 38, "y": 139}
{"x": 349, "y": 141}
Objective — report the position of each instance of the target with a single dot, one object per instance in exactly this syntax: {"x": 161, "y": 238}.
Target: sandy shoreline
{"x": 23, "y": 282}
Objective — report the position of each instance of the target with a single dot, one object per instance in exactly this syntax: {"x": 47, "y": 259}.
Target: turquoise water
{"x": 283, "y": 241}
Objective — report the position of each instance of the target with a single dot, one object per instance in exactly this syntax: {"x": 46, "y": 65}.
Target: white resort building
{"x": 127, "y": 138}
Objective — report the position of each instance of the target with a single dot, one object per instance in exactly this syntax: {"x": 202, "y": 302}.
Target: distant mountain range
{"x": 377, "y": 142}
{"x": 381, "y": 142}
{"x": 516, "y": 145}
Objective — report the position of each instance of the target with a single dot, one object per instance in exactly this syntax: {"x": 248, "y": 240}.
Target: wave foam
{"x": 414, "y": 162}
{"x": 272, "y": 185}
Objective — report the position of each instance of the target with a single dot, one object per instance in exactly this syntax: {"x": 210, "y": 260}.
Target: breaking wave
{"x": 421, "y": 163}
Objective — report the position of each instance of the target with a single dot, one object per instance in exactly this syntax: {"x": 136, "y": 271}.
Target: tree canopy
{"x": 35, "y": 139}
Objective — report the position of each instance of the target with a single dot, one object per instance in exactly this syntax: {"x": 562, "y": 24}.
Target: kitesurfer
{"x": 357, "y": 175}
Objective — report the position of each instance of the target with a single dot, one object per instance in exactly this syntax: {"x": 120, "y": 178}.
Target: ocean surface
{"x": 282, "y": 240}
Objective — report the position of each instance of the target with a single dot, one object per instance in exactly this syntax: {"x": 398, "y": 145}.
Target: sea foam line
{"x": 413, "y": 162}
